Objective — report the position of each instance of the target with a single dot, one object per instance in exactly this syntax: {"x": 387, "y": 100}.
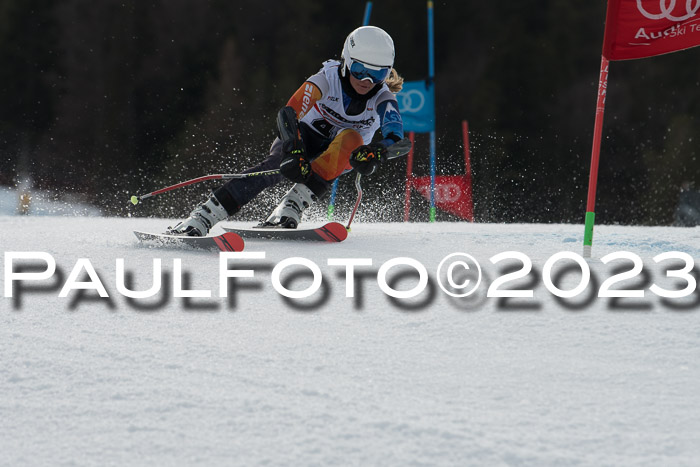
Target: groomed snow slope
{"x": 257, "y": 379}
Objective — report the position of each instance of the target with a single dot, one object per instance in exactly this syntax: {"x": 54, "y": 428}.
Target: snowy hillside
{"x": 260, "y": 379}
{"x": 43, "y": 203}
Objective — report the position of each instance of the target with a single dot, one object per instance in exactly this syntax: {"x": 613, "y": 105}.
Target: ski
{"x": 331, "y": 232}
{"x": 225, "y": 242}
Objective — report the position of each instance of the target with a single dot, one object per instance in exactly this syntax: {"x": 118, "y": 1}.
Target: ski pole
{"x": 358, "y": 187}
{"x": 395, "y": 150}
{"x": 398, "y": 149}
{"x": 136, "y": 199}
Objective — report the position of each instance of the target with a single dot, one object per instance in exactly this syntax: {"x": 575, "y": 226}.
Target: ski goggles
{"x": 373, "y": 73}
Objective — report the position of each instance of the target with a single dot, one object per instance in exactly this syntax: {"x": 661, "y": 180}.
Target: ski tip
{"x": 230, "y": 242}
{"x": 337, "y": 230}
{"x": 225, "y": 242}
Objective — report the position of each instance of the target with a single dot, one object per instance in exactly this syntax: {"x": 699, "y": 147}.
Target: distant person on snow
{"x": 326, "y": 129}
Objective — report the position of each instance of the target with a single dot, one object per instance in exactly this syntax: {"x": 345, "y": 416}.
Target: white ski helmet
{"x": 371, "y": 51}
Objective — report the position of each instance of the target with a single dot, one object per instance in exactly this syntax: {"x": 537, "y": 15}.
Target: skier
{"x": 326, "y": 128}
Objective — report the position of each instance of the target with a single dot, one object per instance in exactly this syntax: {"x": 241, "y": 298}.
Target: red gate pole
{"x": 468, "y": 169}
{"x": 409, "y": 178}
{"x": 595, "y": 157}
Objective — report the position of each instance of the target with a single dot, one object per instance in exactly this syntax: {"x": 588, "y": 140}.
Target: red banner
{"x": 644, "y": 28}
{"x": 453, "y": 193}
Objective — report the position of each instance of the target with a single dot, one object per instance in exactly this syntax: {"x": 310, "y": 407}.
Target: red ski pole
{"x": 136, "y": 199}
{"x": 398, "y": 149}
{"x": 357, "y": 203}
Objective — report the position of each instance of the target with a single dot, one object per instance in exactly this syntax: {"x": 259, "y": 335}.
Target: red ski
{"x": 331, "y": 232}
{"x": 224, "y": 242}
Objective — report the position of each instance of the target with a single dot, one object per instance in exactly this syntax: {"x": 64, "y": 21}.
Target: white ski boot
{"x": 201, "y": 220}
{"x": 289, "y": 210}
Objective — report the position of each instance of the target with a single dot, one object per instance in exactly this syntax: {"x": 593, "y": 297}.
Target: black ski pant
{"x": 238, "y": 192}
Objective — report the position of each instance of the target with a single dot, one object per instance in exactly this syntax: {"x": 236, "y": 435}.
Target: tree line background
{"x": 118, "y": 97}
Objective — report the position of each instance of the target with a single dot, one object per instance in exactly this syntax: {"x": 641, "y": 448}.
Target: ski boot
{"x": 201, "y": 219}
{"x": 288, "y": 212}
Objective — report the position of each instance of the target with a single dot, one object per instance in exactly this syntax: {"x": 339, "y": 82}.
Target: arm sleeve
{"x": 304, "y": 98}
{"x": 391, "y": 122}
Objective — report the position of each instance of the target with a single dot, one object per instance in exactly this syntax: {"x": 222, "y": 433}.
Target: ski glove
{"x": 365, "y": 159}
{"x": 294, "y": 165}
